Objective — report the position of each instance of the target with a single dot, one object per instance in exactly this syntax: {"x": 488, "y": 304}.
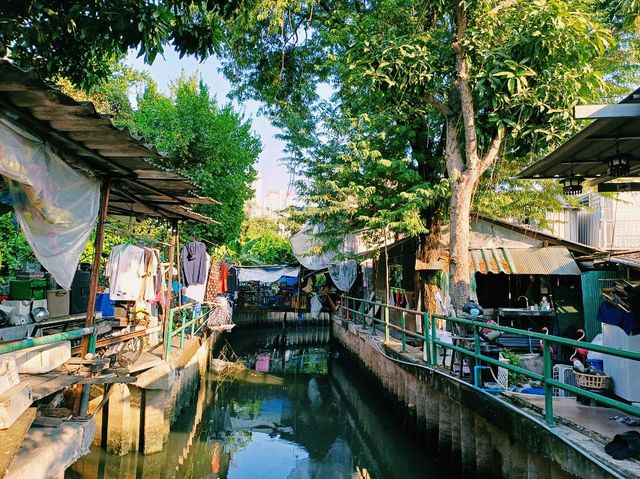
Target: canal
{"x": 295, "y": 409}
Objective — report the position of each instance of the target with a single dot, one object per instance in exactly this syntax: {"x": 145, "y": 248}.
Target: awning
{"x": 266, "y": 275}
{"x": 88, "y": 141}
{"x": 545, "y": 261}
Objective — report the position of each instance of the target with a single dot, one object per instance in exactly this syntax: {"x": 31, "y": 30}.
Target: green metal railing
{"x": 13, "y": 346}
{"x": 360, "y": 311}
{"x": 192, "y": 316}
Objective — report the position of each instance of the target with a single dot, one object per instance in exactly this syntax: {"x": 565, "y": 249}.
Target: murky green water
{"x": 299, "y": 411}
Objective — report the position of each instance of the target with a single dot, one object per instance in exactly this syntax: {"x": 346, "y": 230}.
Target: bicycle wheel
{"x": 130, "y": 352}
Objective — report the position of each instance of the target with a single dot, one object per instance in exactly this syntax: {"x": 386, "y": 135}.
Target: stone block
{"x": 154, "y": 420}
{"x": 13, "y": 403}
{"x": 119, "y": 432}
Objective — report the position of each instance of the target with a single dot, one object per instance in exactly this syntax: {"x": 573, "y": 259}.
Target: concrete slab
{"x": 48, "y": 452}
{"x": 593, "y": 421}
{"x": 12, "y": 438}
{"x": 13, "y": 403}
{"x": 9, "y": 376}
{"x": 41, "y": 359}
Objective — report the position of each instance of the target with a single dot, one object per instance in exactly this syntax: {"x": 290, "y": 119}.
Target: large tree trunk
{"x": 460, "y": 214}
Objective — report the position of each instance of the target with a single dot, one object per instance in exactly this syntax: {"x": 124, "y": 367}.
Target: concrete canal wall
{"x": 276, "y": 318}
{"x": 138, "y": 417}
{"x": 472, "y": 434}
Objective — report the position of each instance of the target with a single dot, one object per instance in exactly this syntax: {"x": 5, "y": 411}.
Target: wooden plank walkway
{"x": 44, "y": 385}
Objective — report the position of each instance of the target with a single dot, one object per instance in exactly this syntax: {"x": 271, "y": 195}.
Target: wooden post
{"x": 82, "y": 392}
{"x": 167, "y": 301}
{"x": 97, "y": 256}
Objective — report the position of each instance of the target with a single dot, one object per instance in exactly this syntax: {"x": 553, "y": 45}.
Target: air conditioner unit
{"x": 564, "y": 374}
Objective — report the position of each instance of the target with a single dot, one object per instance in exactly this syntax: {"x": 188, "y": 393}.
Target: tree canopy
{"x": 213, "y": 145}
{"x": 79, "y": 39}
{"x": 426, "y": 97}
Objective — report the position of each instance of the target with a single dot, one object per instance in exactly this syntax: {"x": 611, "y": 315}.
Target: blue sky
{"x": 167, "y": 69}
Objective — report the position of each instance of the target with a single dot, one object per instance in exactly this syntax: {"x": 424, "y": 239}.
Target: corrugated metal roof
{"x": 547, "y": 260}
{"x": 585, "y": 153}
{"x": 92, "y": 143}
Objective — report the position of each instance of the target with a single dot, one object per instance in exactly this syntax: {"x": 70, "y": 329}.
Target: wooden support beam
{"x": 595, "y": 112}
{"x": 97, "y": 257}
{"x": 618, "y": 187}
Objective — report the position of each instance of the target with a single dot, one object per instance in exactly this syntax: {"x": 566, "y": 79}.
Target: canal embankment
{"x": 138, "y": 416}
{"x": 472, "y": 432}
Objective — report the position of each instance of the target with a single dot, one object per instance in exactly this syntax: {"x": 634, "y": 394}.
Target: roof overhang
{"x": 586, "y": 154}
{"x": 88, "y": 141}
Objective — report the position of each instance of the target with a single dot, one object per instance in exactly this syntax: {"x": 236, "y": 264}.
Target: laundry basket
{"x": 591, "y": 381}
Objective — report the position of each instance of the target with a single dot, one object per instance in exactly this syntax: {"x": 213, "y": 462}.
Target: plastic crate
{"x": 564, "y": 374}
{"x": 27, "y": 289}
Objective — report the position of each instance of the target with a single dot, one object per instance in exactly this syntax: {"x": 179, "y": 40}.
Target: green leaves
{"x": 79, "y": 39}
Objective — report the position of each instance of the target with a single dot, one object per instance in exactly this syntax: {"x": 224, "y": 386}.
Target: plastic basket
{"x": 591, "y": 381}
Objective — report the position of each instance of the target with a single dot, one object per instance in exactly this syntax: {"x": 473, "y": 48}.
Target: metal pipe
{"x": 27, "y": 343}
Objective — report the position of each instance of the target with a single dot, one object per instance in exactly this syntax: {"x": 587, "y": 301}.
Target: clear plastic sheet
{"x": 343, "y": 274}
{"x": 56, "y": 205}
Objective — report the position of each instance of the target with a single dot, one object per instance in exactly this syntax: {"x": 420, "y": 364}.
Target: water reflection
{"x": 285, "y": 416}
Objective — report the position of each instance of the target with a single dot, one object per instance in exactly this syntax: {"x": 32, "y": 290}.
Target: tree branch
{"x": 492, "y": 152}
{"x": 501, "y": 6}
{"x": 466, "y": 95}
{"x": 439, "y": 105}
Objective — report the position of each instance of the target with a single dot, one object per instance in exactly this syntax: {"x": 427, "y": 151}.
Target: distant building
{"x": 270, "y": 205}
{"x": 607, "y": 222}
{"x": 275, "y": 202}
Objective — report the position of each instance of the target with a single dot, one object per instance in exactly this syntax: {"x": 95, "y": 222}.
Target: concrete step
{"x": 13, "y": 403}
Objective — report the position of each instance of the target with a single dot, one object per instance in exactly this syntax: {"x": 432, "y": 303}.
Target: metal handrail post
{"x": 169, "y": 336}
{"x": 548, "y": 390}
{"x": 404, "y": 335}
{"x": 426, "y": 344}
{"x": 434, "y": 337}
{"x": 386, "y": 322}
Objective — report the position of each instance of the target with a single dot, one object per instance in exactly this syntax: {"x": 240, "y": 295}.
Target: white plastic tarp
{"x": 343, "y": 273}
{"x": 304, "y": 242}
{"x": 266, "y": 275}
{"x": 56, "y": 205}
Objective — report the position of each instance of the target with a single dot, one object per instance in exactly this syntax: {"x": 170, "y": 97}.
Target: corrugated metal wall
{"x": 592, "y": 284}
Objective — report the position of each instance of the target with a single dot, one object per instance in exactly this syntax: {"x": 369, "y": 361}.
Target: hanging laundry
{"x": 195, "y": 292}
{"x": 151, "y": 262}
{"x": 222, "y": 279}
{"x": 125, "y": 270}
{"x": 194, "y": 263}
{"x": 212, "y": 281}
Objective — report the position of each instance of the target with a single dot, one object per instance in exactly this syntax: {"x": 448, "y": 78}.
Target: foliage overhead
{"x": 363, "y": 91}
{"x": 79, "y": 39}
{"x": 213, "y": 145}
